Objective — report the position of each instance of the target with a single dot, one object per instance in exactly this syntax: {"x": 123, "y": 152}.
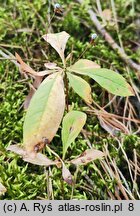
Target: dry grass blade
{"x": 119, "y": 125}
{"x": 108, "y": 127}
{"x": 48, "y": 174}
{"x": 112, "y": 125}
{"x": 115, "y": 174}
{"x": 104, "y": 113}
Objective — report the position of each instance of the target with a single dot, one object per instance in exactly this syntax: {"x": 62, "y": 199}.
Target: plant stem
{"x": 75, "y": 178}
{"x": 63, "y": 191}
{"x": 67, "y": 91}
{"x": 62, "y": 183}
{"x": 54, "y": 153}
{"x": 66, "y": 85}
{"x": 84, "y": 51}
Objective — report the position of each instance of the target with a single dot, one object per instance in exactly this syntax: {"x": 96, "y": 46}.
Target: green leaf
{"x": 73, "y": 123}
{"x": 81, "y": 87}
{"x": 108, "y": 79}
{"x": 58, "y": 42}
{"x": 45, "y": 113}
{"x": 84, "y": 64}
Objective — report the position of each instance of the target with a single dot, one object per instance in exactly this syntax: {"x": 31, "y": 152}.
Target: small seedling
{"x": 47, "y": 107}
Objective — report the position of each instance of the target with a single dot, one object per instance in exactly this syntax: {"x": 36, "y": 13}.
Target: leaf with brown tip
{"x": 81, "y": 87}
{"x": 83, "y": 64}
{"x": 51, "y": 66}
{"x": 87, "y": 156}
{"x": 44, "y": 113}
{"x": 73, "y": 123}
{"x": 108, "y": 79}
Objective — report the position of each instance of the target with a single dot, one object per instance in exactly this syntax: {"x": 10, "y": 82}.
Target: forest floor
{"x": 22, "y": 25}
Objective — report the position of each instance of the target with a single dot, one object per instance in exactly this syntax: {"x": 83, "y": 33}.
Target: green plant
{"x": 47, "y": 106}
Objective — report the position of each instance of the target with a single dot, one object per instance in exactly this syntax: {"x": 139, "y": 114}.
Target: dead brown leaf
{"x": 36, "y": 84}
{"x": 66, "y": 175}
{"x": 27, "y": 69}
{"x": 58, "y": 42}
{"x": 36, "y": 158}
{"x": 51, "y": 66}
{"x": 40, "y": 159}
{"x": 2, "y": 189}
{"x": 87, "y": 156}
{"x": 17, "y": 149}
{"x": 107, "y": 14}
